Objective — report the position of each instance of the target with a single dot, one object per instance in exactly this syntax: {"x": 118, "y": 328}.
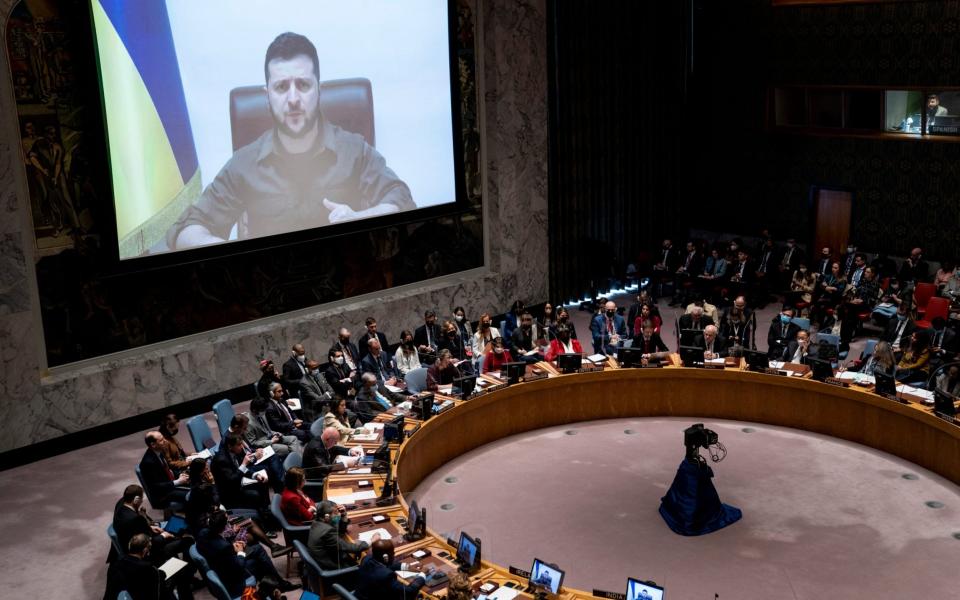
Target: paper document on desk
{"x": 347, "y": 461}
{"x": 373, "y": 426}
{"x": 266, "y": 454}
{"x": 407, "y": 574}
{"x": 445, "y": 389}
{"x": 715, "y": 361}
{"x": 776, "y": 364}
{"x": 365, "y": 495}
{"x": 364, "y": 437}
{"x": 205, "y": 455}
{"x": 366, "y": 536}
{"x": 494, "y": 374}
{"x": 294, "y": 403}
{"x": 927, "y": 395}
{"x": 171, "y": 567}
{"x": 531, "y": 352}
{"x": 360, "y": 471}
{"x": 504, "y": 593}
{"x": 597, "y": 358}
{"x": 481, "y": 383}
{"x": 393, "y": 388}
{"x": 858, "y": 378}
{"x": 247, "y": 481}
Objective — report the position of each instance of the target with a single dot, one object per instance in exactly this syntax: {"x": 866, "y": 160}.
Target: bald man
{"x": 161, "y": 480}
{"x": 319, "y": 456}
{"x": 914, "y": 269}
{"x": 609, "y": 329}
{"x": 378, "y": 577}
{"x": 294, "y": 370}
{"x": 315, "y": 392}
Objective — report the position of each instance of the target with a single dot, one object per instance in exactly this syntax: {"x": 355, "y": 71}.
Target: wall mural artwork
{"x": 41, "y": 51}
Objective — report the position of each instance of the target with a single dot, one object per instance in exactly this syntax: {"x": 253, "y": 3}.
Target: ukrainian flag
{"x": 152, "y": 155}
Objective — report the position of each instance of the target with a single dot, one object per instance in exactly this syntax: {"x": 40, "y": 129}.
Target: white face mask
{"x": 498, "y": 350}
{"x": 338, "y": 360}
{"x": 458, "y": 318}
{"x": 301, "y": 357}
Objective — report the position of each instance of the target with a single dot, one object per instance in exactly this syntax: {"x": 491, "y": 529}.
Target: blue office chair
{"x": 416, "y": 380}
{"x": 343, "y": 592}
{"x": 314, "y": 489}
{"x": 214, "y": 584}
{"x": 316, "y": 428}
{"x": 124, "y": 595}
{"x": 115, "y": 541}
{"x": 290, "y": 532}
{"x": 200, "y": 433}
{"x": 868, "y": 349}
{"x": 223, "y": 410}
{"x": 316, "y": 578}
{"x": 802, "y": 323}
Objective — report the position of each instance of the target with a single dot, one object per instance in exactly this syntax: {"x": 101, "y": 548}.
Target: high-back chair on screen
{"x": 223, "y": 411}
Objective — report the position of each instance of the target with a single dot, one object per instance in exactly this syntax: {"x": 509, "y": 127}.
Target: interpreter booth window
{"x": 942, "y": 112}
{"x": 904, "y": 111}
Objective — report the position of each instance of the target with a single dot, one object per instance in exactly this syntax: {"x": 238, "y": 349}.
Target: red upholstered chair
{"x": 347, "y": 103}
{"x": 936, "y": 307}
{"x": 923, "y": 293}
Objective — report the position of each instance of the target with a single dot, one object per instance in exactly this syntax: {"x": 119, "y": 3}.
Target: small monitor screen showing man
{"x": 545, "y": 577}
{"x": 639, "y": 590}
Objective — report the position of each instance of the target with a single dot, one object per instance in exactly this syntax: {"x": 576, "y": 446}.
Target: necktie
{"x": 666, "y": 253}
{"x": 430, "y": 336}
{"x": 284, "y": 410}
{"x": 763, "y": 263}
{"x": 743, "y": 266}
{"x": 686, "y": 264}
{"x": 938, "y": 339}
{"x": 609, "y": 325}
{"x": 166, "y": 467}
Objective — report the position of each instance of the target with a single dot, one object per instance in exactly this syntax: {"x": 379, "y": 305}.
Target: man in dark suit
{"x": 824, "y": 262}
{"x": 158, "y": 476}
{"x": 691, "y": 265}
{"x": 294, "y": 370}
{"x": 847, "y": 261}
{"x": 280, "y": 417}
{"x": 319, "y": 457}
{"x": 799, "y": 349}
{"x": 315, "y": 392}
{"x": 371, "y": 334}
{"x": 943, "y": 340}
{"x": 233, "y": 563}
{"x": 648, "y": 340}
{"x": 528, "y": 337}
{"x": 914, "y": 269}
{"x": 327, "y": 544}
{"x": 369, "y": 401}
{"x": 695, "y": 319}
{"x": 380, "y": 364}
{"x": 713, "y": 345}
{"x": 426, "y": 337}
{"x": 351, "y": 354}
{"x": 789, "y": 262}
{"x": 378, "y": 578}
{"x": 782, "y": 330}
{"x": 742, "y": 273}
{"x": 230, "y": 465}
{"x": 130, "y": 519}
{"x": 609, "y": 329}
{"x": 899, "y": 328}
{"x": 136, "y": 574}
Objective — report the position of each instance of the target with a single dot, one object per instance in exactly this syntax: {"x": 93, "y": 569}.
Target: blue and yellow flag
{"x": 152, "y": 154}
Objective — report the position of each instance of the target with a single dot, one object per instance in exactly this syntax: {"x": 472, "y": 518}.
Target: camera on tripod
{"x": 697, "y": 436}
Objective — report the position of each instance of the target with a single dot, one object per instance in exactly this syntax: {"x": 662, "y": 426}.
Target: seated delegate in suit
{"x": 336, "y": 417}
{"x": 351, "y": 354}
{"x": 296, "y": 506}
{"x": 494, "y": 360}
{"x": 407, "y": 358}
{"x": 609, "y": 329}
{"x": 319, "y": 457}
{"x": 256, "y": 430}
{"x": 485, "y": 334}
{"x": 710, "y": 311}
{"x": 528, "y": 340}
{"x": 563, "y": 344}
{"x": 339, "y": 376}
{"x": 130, "y": 518}
{"x": 782, "y": 330}
{"x": 173, "y": 451}
{"x": 315, "y": 392}
{"x": 363, "y": 344}
{"x": 369, "y": 401}
{"x": 426, "y": 336}
{"x": 294, "y": 370}
{"x": 943, "y": 340}
{"x": 442, "y": 372}
{"x": 280, "y": 417}
{"x": 328, "y": 544}
{"x": 136, "y": 574}
{"x": 512, "y": 320}
{"x": 649, "y": 342}
{"x": 377, "y": 577}
{"x": 234, "y": 562}
{"x": 158, "y": 476}
{"x": 460, "y": 351}
{"x": 734, "y": 331}
{"x": 799, "y": 348}
{"x": 380, "y": 364}
{"x": 899, "y": 329}
{"x": 230, "y": 465}
{"x": 882, "y": 360}
{"x": 695, "y": 319}
{"x": 861, "y": 298}
{"x": 713, "y": 346}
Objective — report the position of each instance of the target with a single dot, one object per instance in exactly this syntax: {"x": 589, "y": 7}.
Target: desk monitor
{"x": 545, "y": 577}
{"x": 691, "y": 356}
{"x": 424, "y": 405}
{"x": 691, "y": 337}
{"x": 630, "y": 357}
{"x": 468, "y": 553}
{"x": 570, "y": 362}
{"x": 466, "y": 385}
{"x": 393, "y": 429}
{"x": 822, "y": 369}
{"x": 885, "y": 384}
{"x": 943, "y": 404}
{"x": 381, "y": 458}
{"x": 413, "y": 516}
{"x": 643, "y": 590}
{"x": 514, "y": 371}
{"x": 756, "y": 360}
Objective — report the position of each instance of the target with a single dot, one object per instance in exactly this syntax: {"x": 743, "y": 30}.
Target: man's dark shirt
{"x": 283, "y": 192}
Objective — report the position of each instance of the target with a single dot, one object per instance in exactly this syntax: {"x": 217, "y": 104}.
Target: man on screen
{"x": 304, "y": 172}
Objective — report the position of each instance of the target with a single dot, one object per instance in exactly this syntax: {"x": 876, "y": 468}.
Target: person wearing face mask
{"x": 824, "y": 262}
{"x": 463, "y": 323}
{"x": 451, "y": 341}
{"x": 340, "y": 377}
{"x": 782, "y": 331}
{"x": 528, "y": 338}
{"x": 315, "y": 391}
{"x": 800, "y": 349}
{"x": 562, "y": 344}
{"x": 351, "y": 355}
{"x": 890, "y": 301}
{"x": 328, "y": 544}
{"x": 377, "y": 577}
{"x": 609, "y": 329}
{"x": 426, "y": 336}
{"x": 484, "y": 336}
{"x": 294, "y": 370}
{"x": 847, "y": 261}
{"x": 563, "y": 318}
{"x": 494, "y": 360}
{"x": 407, "y": 358}
{"x": 801, "y": 286}
{"x": 899, "y": 329}
{"x": 549, "y": 317}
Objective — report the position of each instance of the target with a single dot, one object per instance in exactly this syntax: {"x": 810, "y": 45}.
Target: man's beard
{"x": 310, "y": 120}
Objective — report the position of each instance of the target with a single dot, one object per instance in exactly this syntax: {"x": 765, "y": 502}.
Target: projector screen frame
{"x": 460, "y": 205}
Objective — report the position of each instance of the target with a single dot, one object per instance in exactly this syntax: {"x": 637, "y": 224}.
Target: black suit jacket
{"x": 334, "y": 374}
{"x": 224, "y": 561}
{"x": 686, "y": 321}
{"x": 420, "y": 335}
{"x": 890, "y": 332}
{"x": 292, "y": 374}
{"x": 315, "y": 456}
{"x": 672, "y": 260}
{"x": 128, "y": 523}
{"x": 278, "y": 420}
{"x": 228, "y": 477}
{"x": 455, "y": 346}
{"x": 350, "y": 349}
{"x": 777, "y": 341}
{"x": 656, "y": 344}
{"x": 365, "y": 349}
{"x": 379, "y": 582}
{"x": 791, "y": 349}
{"x": 155, "y": 475}
{"x": 329, "y": 550}
{"x": 719, "y": 346}
{"x": 366, "y": 405}
{"x": 696, "y": 263}
{"x": 382, "y": 367}
{"x": 138, "y": 577}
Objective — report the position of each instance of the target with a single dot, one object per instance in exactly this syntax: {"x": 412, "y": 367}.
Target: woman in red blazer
{"x": 563, "y": 344}
{"x": 296, "y": 506}
{"x": 647, "y": 314}
{"x": 493, "y": 360}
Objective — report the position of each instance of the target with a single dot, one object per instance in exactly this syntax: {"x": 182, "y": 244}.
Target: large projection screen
{"x": 211, "y": 143}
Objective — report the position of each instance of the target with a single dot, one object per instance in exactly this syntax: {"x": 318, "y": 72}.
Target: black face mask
{"x": 408, "y": 343}
{"x": 565, "y": 337}
{"x": 610, "y": 313}
{"x": 451, "y": 334}
{"x": 345, "y": 340}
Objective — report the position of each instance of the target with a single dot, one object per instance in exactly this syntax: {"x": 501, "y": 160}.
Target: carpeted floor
{"x": 822, "y": 517}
